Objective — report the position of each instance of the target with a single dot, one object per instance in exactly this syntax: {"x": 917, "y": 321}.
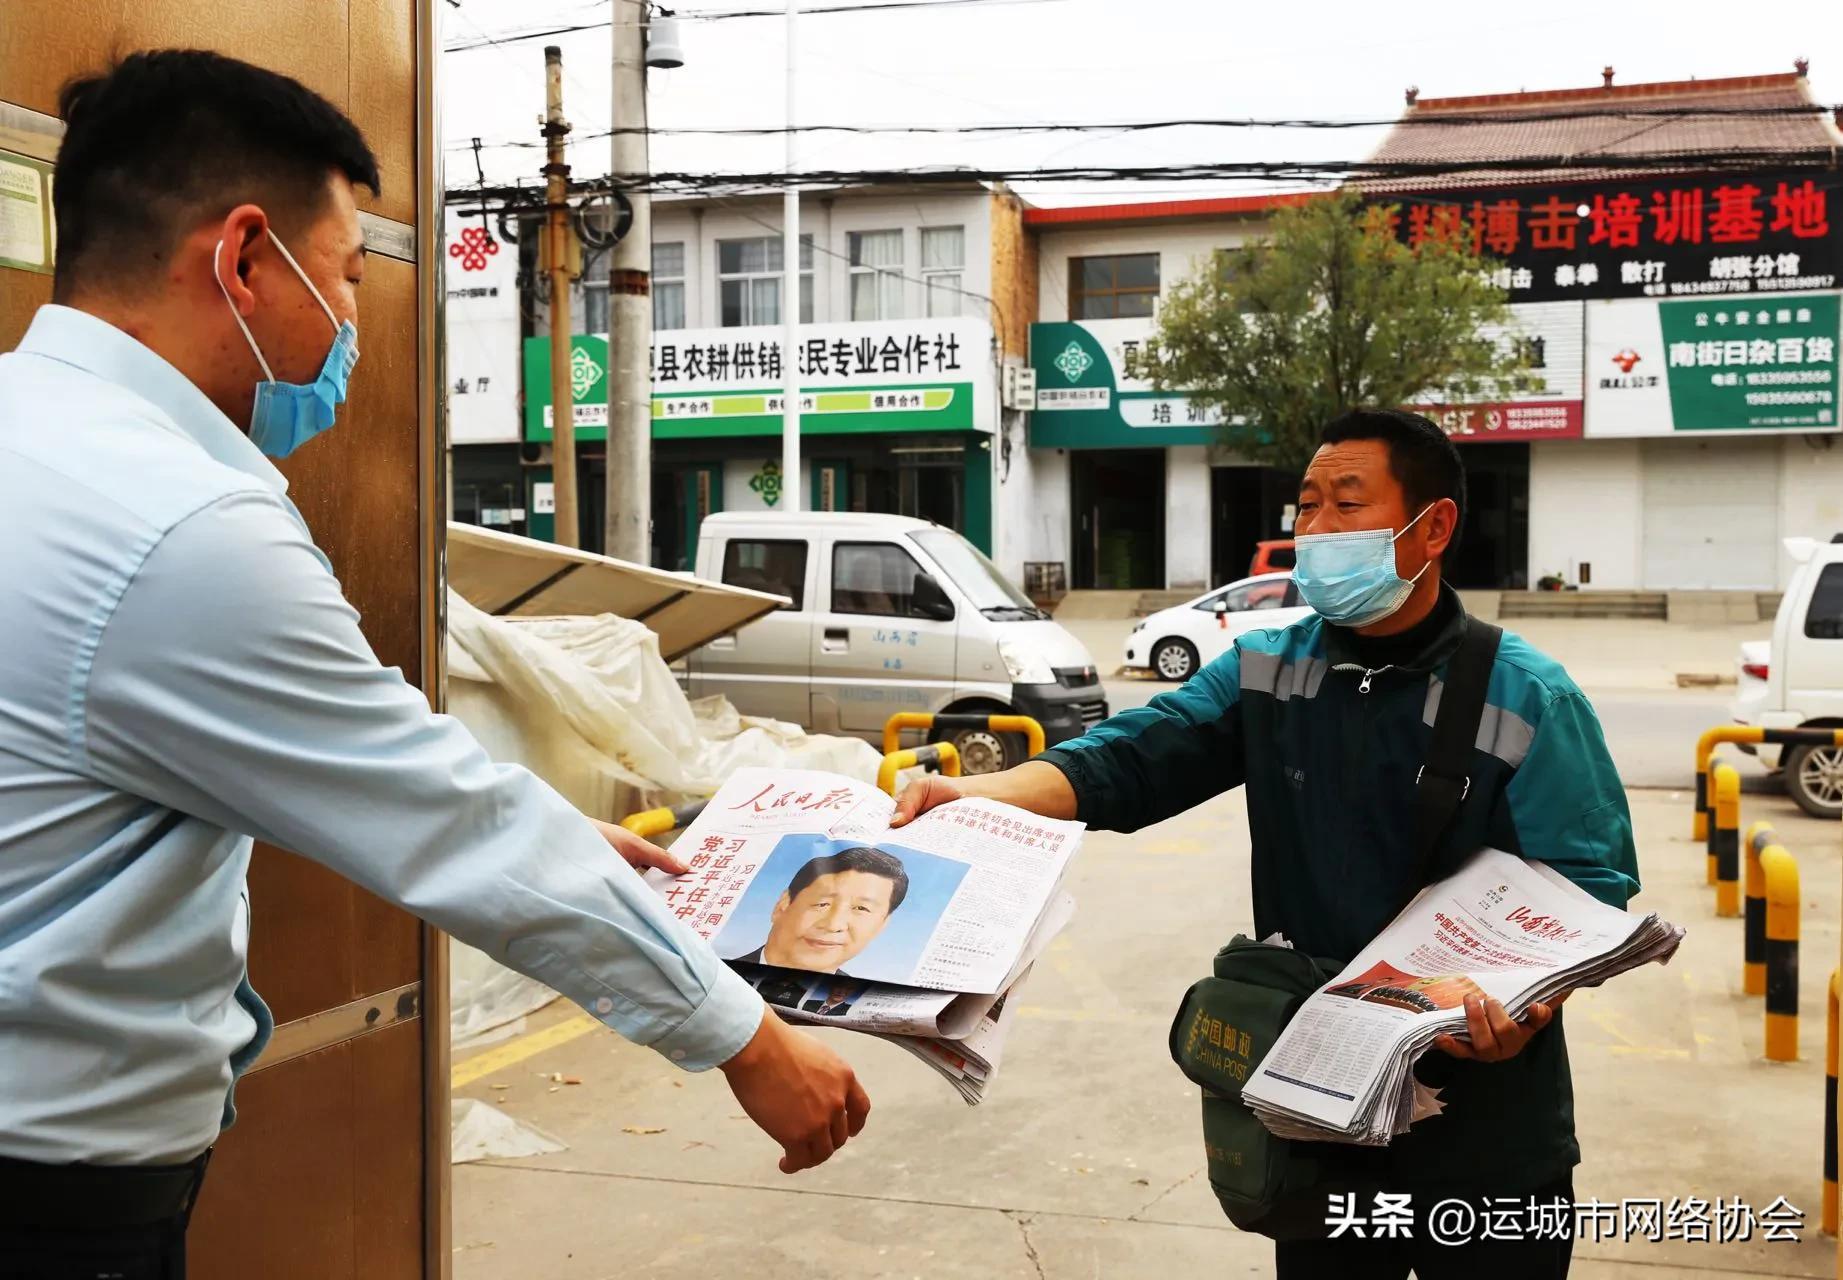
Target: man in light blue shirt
{"x": 180, "y": 673}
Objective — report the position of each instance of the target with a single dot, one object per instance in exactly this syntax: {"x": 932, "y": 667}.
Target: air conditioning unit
{"x": 1019, "y": 388}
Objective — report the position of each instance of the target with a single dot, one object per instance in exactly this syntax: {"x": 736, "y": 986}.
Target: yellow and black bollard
{"x": 1753, "y": 928}
{"x": 658, "y": 822}
{"x": 1830, "y": 1111}
{"x": 1781, "y": 874}
{"x": 1725, "y": 840}
{"x": 953, "y": 721}
{"x": 939, "y": 755}
{"x": 1751, "y": 735}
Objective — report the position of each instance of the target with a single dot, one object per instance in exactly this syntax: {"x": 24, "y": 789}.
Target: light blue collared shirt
{"x": 179, "y": 673}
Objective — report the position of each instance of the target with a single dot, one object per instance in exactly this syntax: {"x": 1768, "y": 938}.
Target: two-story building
{"x": 1678, "y": 303}
{"x": 911, "y": 300}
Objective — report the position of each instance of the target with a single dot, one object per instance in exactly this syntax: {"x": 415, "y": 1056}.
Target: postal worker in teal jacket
{"x": 1326, "y": 723}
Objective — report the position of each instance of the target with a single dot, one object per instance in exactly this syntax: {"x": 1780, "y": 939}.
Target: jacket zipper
{"x": 1363, "y": 685}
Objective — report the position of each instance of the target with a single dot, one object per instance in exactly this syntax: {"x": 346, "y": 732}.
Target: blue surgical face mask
{"x": 287, "y": 415}
{"x": 1350, "y": 578}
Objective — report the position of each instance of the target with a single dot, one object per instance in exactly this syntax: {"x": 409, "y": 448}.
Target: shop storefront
{"x": 1681, "y": 419}
{"x": 895, "y": 417}
{"x": 1711, "y": 432}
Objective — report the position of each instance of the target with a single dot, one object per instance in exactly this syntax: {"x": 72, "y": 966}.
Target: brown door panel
{"x": 321, "y": 1176}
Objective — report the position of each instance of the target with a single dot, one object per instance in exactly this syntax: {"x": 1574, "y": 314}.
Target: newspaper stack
{"x": 1500, "y": 927}
{"x": 919, "y": 936}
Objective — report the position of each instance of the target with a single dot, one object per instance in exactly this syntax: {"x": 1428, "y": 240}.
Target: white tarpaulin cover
{"x": 588, "y": 704}
{"x": 507, "y": 575}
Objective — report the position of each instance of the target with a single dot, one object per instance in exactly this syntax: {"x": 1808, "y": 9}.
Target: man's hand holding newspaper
{"x": 1494, "y": 1034}
{"x": 1499, "y": 940}
{"x": 799, "y": 881}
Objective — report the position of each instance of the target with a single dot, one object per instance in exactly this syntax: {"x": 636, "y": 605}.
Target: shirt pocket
{"x": 240, "y": 925}
{"x": 1606, "y": 829}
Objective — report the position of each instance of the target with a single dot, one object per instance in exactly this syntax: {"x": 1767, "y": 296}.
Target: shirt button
{"x": 604, "y": 1005}
{"x": 678, "y": 1055}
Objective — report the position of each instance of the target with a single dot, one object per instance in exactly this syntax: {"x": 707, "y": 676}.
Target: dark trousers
{"x": 88, "y": 1222}
{"x": 1424, "y": 1255}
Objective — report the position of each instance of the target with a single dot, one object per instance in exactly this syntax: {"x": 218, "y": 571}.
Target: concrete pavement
{"x": 1086, "y": 1160}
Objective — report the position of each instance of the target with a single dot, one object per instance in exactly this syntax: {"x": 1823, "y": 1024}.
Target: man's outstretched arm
{"x": 231, "y": 682}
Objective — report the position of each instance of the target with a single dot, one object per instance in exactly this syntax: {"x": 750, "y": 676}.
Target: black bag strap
{"x": 1445, "y": 779}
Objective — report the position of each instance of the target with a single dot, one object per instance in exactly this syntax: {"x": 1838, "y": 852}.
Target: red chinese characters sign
{"x": 1678, "y": 236}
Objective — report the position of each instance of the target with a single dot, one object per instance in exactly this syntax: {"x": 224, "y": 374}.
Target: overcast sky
{"x": 1029, "y": 61}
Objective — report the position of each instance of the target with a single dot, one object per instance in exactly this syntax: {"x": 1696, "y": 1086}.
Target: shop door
{"x": 1118, "y": 518}
{"x": 337, "y": 1167}
{"x": 831, "y": 484}
{"x": 1494, "y": 542}
{"x": 1236, "y": 522}
{"x": 682, "y": 497}
{"x": 1711, "y": 514}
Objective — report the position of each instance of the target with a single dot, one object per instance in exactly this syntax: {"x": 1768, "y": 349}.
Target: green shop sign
{"x": 1091, "y": 393}
{"x": 1748, "y": 364}
{"x": 855, "y": 378}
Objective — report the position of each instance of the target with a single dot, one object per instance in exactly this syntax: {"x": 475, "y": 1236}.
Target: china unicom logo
{"x": 1074, "y": 361}
{"x": 584, "y": 372}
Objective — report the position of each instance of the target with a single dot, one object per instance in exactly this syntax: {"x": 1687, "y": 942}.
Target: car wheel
{"x": 1814, "y": 777}
{"x": 1175, "y": 659}
{"x": 982, "y": 751}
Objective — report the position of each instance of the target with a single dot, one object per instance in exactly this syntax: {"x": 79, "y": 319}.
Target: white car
{"x": 1796, "y": 680}
{"x": 1175, "y": 643}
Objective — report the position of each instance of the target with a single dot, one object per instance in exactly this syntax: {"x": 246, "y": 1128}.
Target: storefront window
{"x": 943, "y": 260}
{"x": 876, "y": 274}
{"x": 594, "y": 313}
{"x": 749, "y": 280}
{"x": 669, "y": 285}
{"x": 1113, "y": 287}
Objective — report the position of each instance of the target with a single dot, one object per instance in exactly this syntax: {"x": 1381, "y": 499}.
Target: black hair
{"x": 1422, "y": 458}
{"x": 167, "y": 138}
{"x": 873, "y": 861}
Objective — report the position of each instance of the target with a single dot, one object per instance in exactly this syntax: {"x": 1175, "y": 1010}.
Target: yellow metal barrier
{"x": 1781, "y": 873}
{"x": 1830, "y": 1111}
{"x": 1034, "y": 739}
{"x": 941, "y": 754}
{"x": 1725, "y": 840}
{"x": 1750, "y": 734}
{"x": 1753, "y": 929}
{"x": 649, "y": 823}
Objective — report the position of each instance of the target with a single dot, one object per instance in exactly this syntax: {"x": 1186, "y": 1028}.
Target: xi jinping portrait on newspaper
{"x": 832, "y": 908}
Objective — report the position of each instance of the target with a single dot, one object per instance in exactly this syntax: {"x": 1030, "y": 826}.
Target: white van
{"x": 1796, "y": 680}
{"x": 888, "y": 614}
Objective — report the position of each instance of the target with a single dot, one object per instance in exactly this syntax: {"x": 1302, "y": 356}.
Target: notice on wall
{"x": 25, "y": 213}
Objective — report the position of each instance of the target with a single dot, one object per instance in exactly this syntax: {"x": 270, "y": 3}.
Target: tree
{"x": 1332, "y": 312}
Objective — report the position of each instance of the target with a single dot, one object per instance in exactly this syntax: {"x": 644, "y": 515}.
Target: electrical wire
{"x": 740, "y": 181}
{"x": 716, "y": 15}
{"x": 1662, "y": 114}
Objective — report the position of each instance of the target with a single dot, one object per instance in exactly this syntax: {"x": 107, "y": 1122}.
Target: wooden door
{"x": 338, "y": 1164}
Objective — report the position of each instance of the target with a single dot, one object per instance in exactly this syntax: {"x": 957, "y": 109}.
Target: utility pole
{"x": 559, "y": 240}
{"x": 628, "y": 526}
{"x": 790, "y": 301}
